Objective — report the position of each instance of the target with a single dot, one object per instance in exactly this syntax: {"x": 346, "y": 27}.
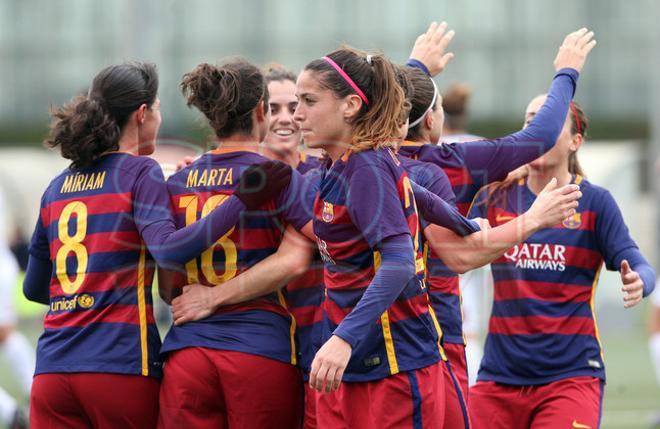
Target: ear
{"x": 576, "y": 142}
{"x": 140, "y": 114}
{"x": 429, "y": 120}
{"x": 260, "y": 112}
{"x": 352, "y": 105}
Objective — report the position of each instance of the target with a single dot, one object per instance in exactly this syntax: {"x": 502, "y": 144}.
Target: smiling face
{"x": 320, "y": 114}
{"x": 283, "y": 132}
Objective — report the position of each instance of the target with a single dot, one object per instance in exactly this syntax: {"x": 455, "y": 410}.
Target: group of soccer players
{"x": 340, "y": 273}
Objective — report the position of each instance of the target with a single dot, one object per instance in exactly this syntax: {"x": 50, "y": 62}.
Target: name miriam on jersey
{"x": 210, "y": 177}
{"x": 83, "y": 182}
{"x": 537, "y": 256}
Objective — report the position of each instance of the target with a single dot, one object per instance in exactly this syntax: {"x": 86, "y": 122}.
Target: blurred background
{"x": 49, "y": 51}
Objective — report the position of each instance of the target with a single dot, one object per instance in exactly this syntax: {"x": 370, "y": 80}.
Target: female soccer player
{"x": 284, "y": 139}
{"x": 351, "y": 106}
{"x": 543, "y": 364}
{"x": 236, "y": 367}
{"x": 102, "y": 223}
{"x": 472, "y": 165}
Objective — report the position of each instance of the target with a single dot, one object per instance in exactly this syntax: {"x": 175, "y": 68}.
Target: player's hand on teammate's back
{"x": 574, "y": 50}
{"x": 262, "y": 182}
{"x": 633, "y": 286}
{"x": 553, "y": 204}
{"x": 430, "y": 48}
{"x": 195, "y": 303}
{"x": 186, "y": 161}
{"x": 329, "y": 365}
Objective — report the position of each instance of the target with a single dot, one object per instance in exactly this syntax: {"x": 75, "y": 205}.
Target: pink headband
{"x": 577, "y": 120}
{"x": 348, "y": 79}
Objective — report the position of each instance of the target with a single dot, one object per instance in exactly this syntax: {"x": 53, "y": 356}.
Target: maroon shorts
{"x": 569, "y": 403}
{"x": 407, "y": 400}
{"x": 309, "y": 421}
{"x": 456, "y": 410}
{"x": 205, "y": 388}
{"x": 456, "y": 355}
{"x": 93, "y": 400}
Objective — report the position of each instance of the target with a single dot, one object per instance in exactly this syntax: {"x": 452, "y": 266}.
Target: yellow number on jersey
{"x": 72, "y": 244}
{"x": 190, "y": 203}
{"x": 409, "y": 199}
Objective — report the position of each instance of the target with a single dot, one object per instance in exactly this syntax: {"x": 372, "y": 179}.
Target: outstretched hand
{"x": 429, "y": 48}
{"x": 574, "y": 50}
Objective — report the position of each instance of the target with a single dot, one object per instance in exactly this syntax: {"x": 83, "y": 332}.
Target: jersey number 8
{"x": 72, "y": 243}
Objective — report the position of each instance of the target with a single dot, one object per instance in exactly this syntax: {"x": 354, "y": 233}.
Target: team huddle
{"x": 321, "y": 292}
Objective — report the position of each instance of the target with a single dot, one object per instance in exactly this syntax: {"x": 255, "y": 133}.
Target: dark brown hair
{"x": 274, "y": 72}
{"x": 377, "y": 123}
{"x": 455, "y": 104}
{"x": 226, "y": 94}
{"x": 422, "y": 97}
{"x": 88, "y": 126}
{"x": 574, "y": 166}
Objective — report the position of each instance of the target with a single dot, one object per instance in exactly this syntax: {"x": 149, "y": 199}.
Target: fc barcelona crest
{"x": 328, "y": 212}
{"x": 573, "y": 222}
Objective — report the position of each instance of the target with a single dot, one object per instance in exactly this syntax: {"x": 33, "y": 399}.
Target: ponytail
{"x": 227, "y": 95}
{"x": 382, "y": 112}
{"x": 87, "y": 127}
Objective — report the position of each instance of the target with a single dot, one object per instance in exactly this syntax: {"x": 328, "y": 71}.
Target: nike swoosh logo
{"x": 503, "y": 218}
{"x": 580, "y": 426}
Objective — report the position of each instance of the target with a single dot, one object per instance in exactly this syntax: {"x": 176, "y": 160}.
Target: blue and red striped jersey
{"x": 365, "y": 198}
{"x": 100, "y": 317}
{"x": 305, "y": 294}
{"x": 442, "y": 283}
{"x": 262, "y": 326}
{"x": 307, "y": 163}
{"x": 542, "y": 327}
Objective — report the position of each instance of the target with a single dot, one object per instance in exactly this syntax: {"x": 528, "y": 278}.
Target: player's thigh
{"x": 190, "y": 393}
{"x": 498, "y": 406}
{"x": 53, "y": 404}
{"x": 118, "y": 400}
{"x": 259, "y": 391}
{"x": 407, "y": 400}
{"x": 571, "y": 403}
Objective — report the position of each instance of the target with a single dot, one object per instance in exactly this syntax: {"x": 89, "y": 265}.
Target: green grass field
{"x": 631, "y": 396}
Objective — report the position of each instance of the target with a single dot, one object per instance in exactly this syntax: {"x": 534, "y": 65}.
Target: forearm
{"x": 171, "y": 248}
{"x": 396, "y": 270}
{"x": 462, "y": 254}
{"x": 270, "y": 274}
{"x": 439, "y": 212}
{"x": 36, "y": 285}
{"x": 542, "y": 133}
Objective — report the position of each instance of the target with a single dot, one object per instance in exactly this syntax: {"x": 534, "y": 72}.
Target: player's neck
{"x": 290, "y": 157}
{"x": 539, "y": 177}
{"x": 248, "y": 142}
